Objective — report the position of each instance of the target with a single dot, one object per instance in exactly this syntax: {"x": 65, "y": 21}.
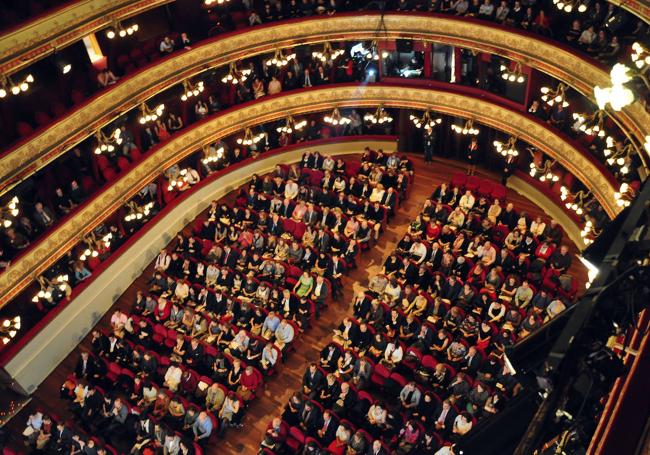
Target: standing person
{"x": 508, "y": 168}
{"x": 472, "y": 155}
{"x": 429, "y": 144}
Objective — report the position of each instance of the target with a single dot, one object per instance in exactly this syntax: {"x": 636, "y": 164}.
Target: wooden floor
{"x": 282, "y": 385}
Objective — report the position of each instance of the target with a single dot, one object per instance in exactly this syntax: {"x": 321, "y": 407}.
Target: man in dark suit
{"x": 62, "y": 438}
{"x": 310, "y": 418}
{"x": 320, "y": 294}
{"x": 322, "y": 241}
{"x": 85, "y": 367}
{"x": 377, "y": 448}
{"x": 435, "y": 256}
{"x": 334, "y": 273}
{"x": 274, "y": 226}
{"x": 389, "y": 199}
{"x": 444, "y": 418}
{"x": 311, "y": 215}
{"x": 229, "y": 258}
{"x": 286, "y": 209}
{"x": 472, "y": 361}
{"x": 326, "y": 431}
{"x": 312, "y": 381}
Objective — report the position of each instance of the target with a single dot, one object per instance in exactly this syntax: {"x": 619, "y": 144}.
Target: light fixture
{"x": 555, "y": 96}
{"x": 7, "y": 85}
{"x": 328, "y": 54}
{"x": 211, "y": 154}
{"x": 335, "y": 118}
{"x": 279, "y": 59}
{"x": 148, "y": 115}
{"x": 640, "y": 56}
{"x": 51, "y": 291}
{"x": 107, "y": 143}
{"x": 507, "y": 148}
{"x": 9, "y": 328}
{"x": 190, "y": 90}
{"x": 618, "y": 95}
{"x": 514, "y": 75}
{"x": 544, "y": 172}
{"x": 117, "y": 29}
{"x": 235, "y": 74}
{"x": 574, "y": 201}
{"x": 624, "y": 195}
{"x": 380, "y": 116}
{"x": 137, "y": 212}
{"x": 620, "y": 157}
{"x": 212, "y": 2}
{"x": 590, "y": 124}
{"x": 290, "y": 125}
{"x": 646, "y": 145}
{"x": 570, "y": 5}
{"x": 467, "y": 128}
{"x": 589, "y": 232}
{"x": 426, "y": 121}
{"x": 249, "y": 138}
{"x": 8, "y": 212}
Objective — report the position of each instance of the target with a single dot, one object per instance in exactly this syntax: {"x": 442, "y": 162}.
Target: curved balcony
{"x": 544, "y": 55}
{"x": 93, "y": 212}
{"x": 27, "y": 42}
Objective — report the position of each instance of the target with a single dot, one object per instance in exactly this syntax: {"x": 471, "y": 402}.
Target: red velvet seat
{"x": 24, "y": 129}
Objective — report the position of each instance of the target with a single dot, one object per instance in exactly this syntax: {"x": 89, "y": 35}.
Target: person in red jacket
{"x": 248, "y": 384}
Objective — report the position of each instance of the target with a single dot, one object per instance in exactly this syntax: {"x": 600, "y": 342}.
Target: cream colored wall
{"x": 31, "y": 365}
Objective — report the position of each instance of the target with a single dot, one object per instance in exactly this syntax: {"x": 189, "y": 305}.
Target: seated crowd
{"x": 222, "y": 309}
{"x": 421, "y": 359}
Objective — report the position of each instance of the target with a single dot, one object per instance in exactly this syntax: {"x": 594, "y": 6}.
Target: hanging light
{"x": 507, "y": 148}
{"x": 249, "y": 138}
{"x": 426, "y": 121}
{"x": 117, "y": 29}
{"x": 212, "y": 2}
{"x": 7, "y": 85}
{"x": 106, "y": 144}
{"x": 618, "y": 95}
{"x": 619, "y": 157}
{"x": 235, "y": 74}
{"x": 379, "y": 117}
{"x": 590, "y": 124}
{"x": 515, "y": 75}
{"x": 9, "y": 328}
{"x": 570, "y": 5}
{"x": 328, "y": 54}
{"x": 640, "y": 56}
{"x": 211, "y": 154}
{"x": 544, "y": 172}
{"x": 190, "y": 90}
{"x": 290, "y": 125}
{"x": 574, "y": 201}
{"x": 624, "y": 195}
{"x": 280, "y": 60}
{"x": 335, "y": 118}
{"x": 555, "y": 96}
{"x": 589, "y": 232}
{"x": 9, "y": 211}
{"x": 137, "y": 212}
{"x": 467, "y": 128}
{"x": 148, "y": 115}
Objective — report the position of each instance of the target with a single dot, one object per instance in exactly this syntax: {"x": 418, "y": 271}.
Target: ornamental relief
{"x": 23, "y": 271}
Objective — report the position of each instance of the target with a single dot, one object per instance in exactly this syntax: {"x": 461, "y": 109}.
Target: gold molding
{"x": 67, "y": 132}
{"x": 34, "y": 40}
{"x": 64, "y": 237}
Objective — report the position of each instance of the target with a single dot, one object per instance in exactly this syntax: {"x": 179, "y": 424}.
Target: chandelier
{"x": 212, "y": 2}
{"x": 467, "y": 128}
{"x": 328, "y": 54}
{"x": 575, "y": 201}
{"x": 137, "y": 212}
{"x": 249, "y": 138}
{"x": 617, "y": 95}
{"x": 621, "y": 157}
{"x": 190, "y": 90}
{"x": 507, "y": 148}
{"x": 290, "y": 125}
{"x": 280, "y": 60}
{"x": 544, "y": 172}
{"x": 107, "y": 143}
{"x": 557, "y": 96}
{"x": 646, "y": 145}
{"x": 380, "y": 116}
{"x": 589, "y": 232}
{"x": 150, "y": 115}
{"x": 212, "y": 154}
{"x": 8, "y": 86}
{"x": 590, "y": 124}
{"x": 235, "y": 75}
{"x": 9, "y": 328}
{"x": 624, "y": 195}
{"x": 515, "y": 75}
{"x": 569, "y": 5}
{"x": 425, "y": 121}
{"x": 51, "y": 289}
{"x": 94, "y": 245}
{"x": 335, "y": 118}
{"x": 9, "y": 211}
{"x": 118, "y": 30}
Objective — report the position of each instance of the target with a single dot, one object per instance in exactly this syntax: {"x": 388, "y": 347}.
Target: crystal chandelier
{"x": 290, "y": 125}
{"x": 235, "y": 74}
{"x": 137, "y": 212}
{"x": 118, "y": 30}
{"x": 619, "y": 157}
{"x": 335, "y": 118}
{"x": 9, "y": 328}
{"x": 590, "y": 124}
{"x": 380, "y": 116}
{"x": 279, "y": 59}
{"x": 328, "y": 54}
{"x": 507, "y": 148}
{"x": 426, "y": 121}
{"x": 544, "y": 172}
{"x": 9, "y": 211}
{"x": 249, "y": 138}
{"x": 150, "y": 115}
{"x": 515, "y": 75}
{"x": 372, "y": 52}
{"x": 569, "y": 5}
{"x": 467, "y": 128}
{"x": 557, "y": 96}
{"x": 574, "y": 201}
{"x": 107, "y": 143}
{"x": 8, "y": 86}
{"x": 211, "y": 154}
{"x": 190, "y": 90}
{"x": 618, "y": 95}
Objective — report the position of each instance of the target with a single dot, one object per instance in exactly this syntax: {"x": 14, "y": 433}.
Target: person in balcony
{"x": 166, "y": 46}
{"x": 161, "y": 131}
{"x": 174, "y": 123}
{"x": 43, "y": 217}
{"x": 106, "y": 77}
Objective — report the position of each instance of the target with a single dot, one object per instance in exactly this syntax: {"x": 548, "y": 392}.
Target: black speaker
{"x": 404, "y": 45}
